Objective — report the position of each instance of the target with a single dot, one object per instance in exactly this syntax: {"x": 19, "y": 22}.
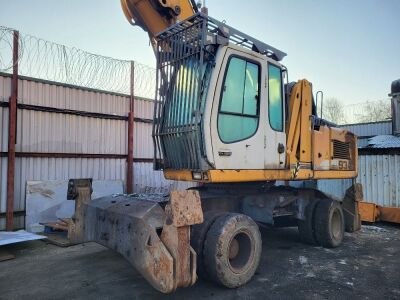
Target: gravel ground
{"x": 366, "y": 266}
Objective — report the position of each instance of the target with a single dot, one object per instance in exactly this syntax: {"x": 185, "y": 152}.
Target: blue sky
{"x": 348, "y": 49}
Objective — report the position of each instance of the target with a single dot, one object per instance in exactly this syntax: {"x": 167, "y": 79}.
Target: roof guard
{"x": 219, "y": 32}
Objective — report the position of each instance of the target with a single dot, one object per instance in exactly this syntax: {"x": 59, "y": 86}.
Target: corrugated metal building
{"x": 66, "y": 131}
{"x": 364, "y": 131}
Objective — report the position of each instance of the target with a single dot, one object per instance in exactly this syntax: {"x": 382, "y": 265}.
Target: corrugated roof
{"x": 384, "y": 142}
{"x": 370, "y": 129}
{"x": 362, "y": 142}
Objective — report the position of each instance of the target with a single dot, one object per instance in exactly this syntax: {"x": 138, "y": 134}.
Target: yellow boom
{"x": 154, "y": 16}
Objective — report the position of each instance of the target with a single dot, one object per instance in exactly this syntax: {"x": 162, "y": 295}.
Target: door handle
{"x": 224, "y": 153}
{"x": 281, "y": 148}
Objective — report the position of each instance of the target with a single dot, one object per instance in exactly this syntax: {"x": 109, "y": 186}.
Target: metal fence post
{"x": 131, "y": 121}
{"x": 12, "y": 126}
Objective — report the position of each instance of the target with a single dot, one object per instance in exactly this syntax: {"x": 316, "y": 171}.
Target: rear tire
{"x": 232, "y": 250}
{"x": 306, "y": 226}
{"x": 198, "y": 236}
{"x": 329, "y": 223}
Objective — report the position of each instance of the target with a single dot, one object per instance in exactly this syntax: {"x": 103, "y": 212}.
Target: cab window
{"x": 275, "y": 98}
{"x": 239, "y": 107}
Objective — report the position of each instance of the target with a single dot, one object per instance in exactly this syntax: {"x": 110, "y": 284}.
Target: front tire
{"x": 232, "y": 250}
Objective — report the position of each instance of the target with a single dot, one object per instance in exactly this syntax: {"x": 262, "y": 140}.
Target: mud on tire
{"x": 232, "y": 250}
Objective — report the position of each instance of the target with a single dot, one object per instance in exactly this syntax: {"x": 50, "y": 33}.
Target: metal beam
{"x": 12, "y": 129}
{"x": 78, "y": 155}
{"x": 129, "y": 177}
{"x": 79, "y": 113}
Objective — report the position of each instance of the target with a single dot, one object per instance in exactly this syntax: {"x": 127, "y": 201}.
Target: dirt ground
{"x": 366, "y": 266}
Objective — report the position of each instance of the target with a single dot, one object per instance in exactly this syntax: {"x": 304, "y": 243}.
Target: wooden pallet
{"x": 57, "y": 233}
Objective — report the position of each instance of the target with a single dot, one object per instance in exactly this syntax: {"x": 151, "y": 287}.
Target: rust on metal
{"x": 131, "y": 225}
{"x": 79, "y": 190}
{"x": 129, "y": 176}
{"x": 12, "y": 128}
{"x": 73, "y": 112}
{"x": 351, "y": 210}
{"x": 131, "y": 122}
{"x": 76, "y": 155}
{"x": 177, "y": 241}
{"x": 389, "y": 214}
{"x": 184, "y": 208}
{"x": 370, "y": 212}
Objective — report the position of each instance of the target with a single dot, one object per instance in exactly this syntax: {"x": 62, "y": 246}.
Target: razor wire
{"x": 38, "y": 58}
{"x": 42, "y": 59}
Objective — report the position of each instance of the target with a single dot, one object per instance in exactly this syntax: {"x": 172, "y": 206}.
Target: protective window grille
{"x": 183, "y": 68}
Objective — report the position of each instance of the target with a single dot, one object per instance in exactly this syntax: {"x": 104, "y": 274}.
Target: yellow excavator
{"x": 227, "y": 118}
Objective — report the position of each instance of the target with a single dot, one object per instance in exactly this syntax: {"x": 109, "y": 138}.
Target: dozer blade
{"x": 154, "y": 240}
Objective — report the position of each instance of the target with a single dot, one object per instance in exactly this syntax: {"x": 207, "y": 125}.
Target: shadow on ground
{"x": 367, "y": 265}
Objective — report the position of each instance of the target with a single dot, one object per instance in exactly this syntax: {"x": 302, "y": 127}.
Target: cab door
{"x": 275, "y": 136}
{"x": 236, "y": 123}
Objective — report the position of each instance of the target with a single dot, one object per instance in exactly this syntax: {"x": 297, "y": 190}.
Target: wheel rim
{"x": 336, "y": 225}
{"x": 240, "y": 252}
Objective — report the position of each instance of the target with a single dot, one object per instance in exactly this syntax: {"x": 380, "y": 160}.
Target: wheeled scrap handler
{"x": 226, "y": 118}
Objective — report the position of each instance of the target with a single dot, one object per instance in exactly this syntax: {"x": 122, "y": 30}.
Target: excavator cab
{"x": 213, "y": 96}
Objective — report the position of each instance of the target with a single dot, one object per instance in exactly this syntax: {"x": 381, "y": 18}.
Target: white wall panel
{"x": 42, "y": 169}
{"x": 59, "y": 96}
{"x": 3, "y": 184}
{"x": 51, "y": 132}
{"x": 144, "y": 108}
{"x": 148, "y": 180}
{"x": 143, "y": 142}
{"x": 47, "y": 132}
{"x": 3, "y": 129}
{"x": 5, "y": 88}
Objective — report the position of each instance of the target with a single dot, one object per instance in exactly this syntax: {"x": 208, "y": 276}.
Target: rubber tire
{"x": 323, "y": 226}
{"x": 198, "y": 236}
{"x": 216, "y": 249}
{"x": 306, "y": 227}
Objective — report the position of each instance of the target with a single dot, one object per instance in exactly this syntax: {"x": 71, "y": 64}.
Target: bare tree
{"x": 333, "y": 110}
{"x": 375, "y": 111}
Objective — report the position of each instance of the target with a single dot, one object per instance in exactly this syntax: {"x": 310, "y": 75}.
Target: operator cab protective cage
{"x": 185, "y": 60}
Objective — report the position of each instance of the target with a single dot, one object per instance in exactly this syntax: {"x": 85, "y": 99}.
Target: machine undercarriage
{"x": 210, "y": 231}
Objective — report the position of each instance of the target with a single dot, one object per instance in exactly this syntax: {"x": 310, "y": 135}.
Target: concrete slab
{"x": 366, "y": 266}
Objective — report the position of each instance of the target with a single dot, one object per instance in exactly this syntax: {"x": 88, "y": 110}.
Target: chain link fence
{"x": 46, "y": 60}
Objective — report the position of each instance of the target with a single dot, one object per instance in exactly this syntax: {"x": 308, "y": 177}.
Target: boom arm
{"x": 154, "y": 16}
